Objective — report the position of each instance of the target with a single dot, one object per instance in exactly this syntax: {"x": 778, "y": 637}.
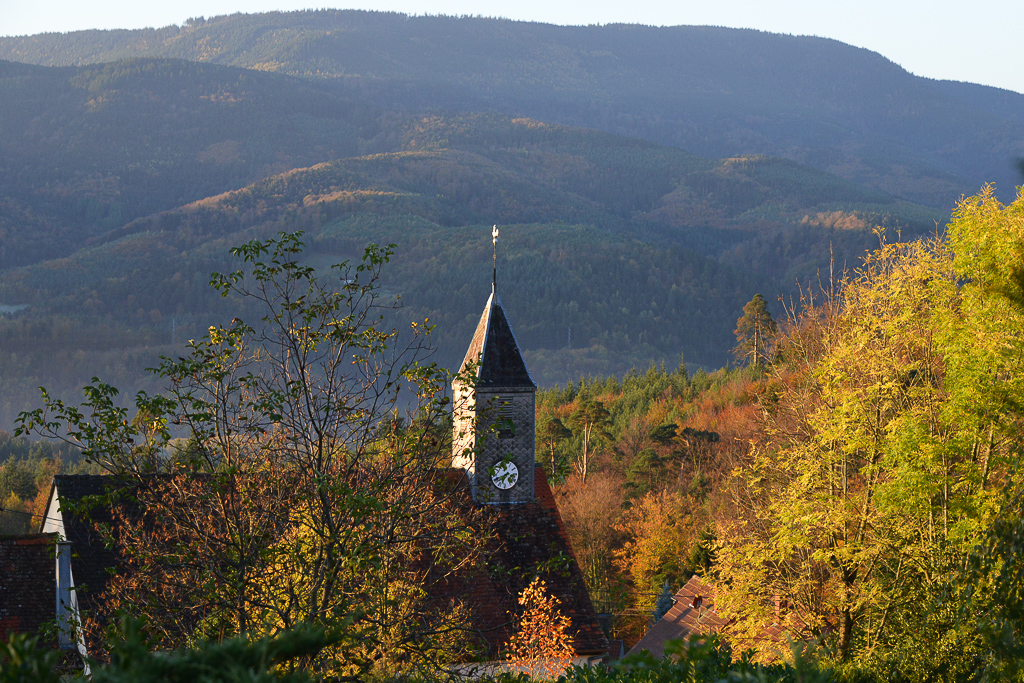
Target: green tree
{"x": 875, "y": 472}
{"x": 663, "y": 603}
{"x": 300, "y": 498}
{"x": 590, "y": 420}
{"x": 755, "y": 331}
{"x": 551, "y": 433}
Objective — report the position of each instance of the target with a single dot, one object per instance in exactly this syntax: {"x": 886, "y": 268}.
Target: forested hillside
{"x": 866, "y": 473}
{"x": 712, "y": 91}
{"x": 83, "y": 151}
{"x": 125, "y": 182}
{"x": 616, "y": 252}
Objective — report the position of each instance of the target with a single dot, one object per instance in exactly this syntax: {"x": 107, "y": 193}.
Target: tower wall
{"x": 483, "y": 440}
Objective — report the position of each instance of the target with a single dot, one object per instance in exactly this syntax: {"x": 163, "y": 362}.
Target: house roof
{"x": 28, "y": 583}
{"x": 529, "y": 539}
{"x": 693, "y": 613}
{"x": 83, "y": 504}
{"x": 494, "y": 346}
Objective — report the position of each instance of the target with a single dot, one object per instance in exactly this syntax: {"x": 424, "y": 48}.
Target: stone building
{"x": 494, "y": 420}
{"x": 493, "y": 444}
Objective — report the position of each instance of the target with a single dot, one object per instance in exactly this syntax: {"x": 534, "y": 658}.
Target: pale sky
{"x": 977, "y": 41}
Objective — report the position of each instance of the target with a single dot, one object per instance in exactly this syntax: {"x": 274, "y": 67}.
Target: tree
{"x": 755, "y": 330}
{"x": 661, "y": 528}
{"x": 590, "y": 419}
{"x": 590, "y": 512}
{"x": 663, "y": 603}
{"x": 891, "y": 440}
{"x": 541, "y": 645}
{"x": 552, "y": 432}
{"x": 303, "y": 495}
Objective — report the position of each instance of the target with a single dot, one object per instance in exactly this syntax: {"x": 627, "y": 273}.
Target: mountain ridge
{"x": 715, "y": 92}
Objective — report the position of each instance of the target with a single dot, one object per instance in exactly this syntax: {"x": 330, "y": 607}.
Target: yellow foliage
{"x": 661, "y": 530}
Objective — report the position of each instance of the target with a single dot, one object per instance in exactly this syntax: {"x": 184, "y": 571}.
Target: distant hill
{"x": 712, "y": 91}
{"x": 615, "y": 251}
{"x": 84, "y": 150}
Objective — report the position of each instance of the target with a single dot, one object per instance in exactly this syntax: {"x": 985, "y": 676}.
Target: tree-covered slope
{"x": 614, "y": 251}
{"x": 84, "y": 150}
{"x": 713, "y": 91}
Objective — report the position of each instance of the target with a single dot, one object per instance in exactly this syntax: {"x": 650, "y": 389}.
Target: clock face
{"x": 505, "y": 476}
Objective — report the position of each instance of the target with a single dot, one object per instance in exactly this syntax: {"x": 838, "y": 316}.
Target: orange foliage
{"x": 541, "y": 646}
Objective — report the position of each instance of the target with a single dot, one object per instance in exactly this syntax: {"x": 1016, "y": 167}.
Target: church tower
{"x": 494, "y": 420}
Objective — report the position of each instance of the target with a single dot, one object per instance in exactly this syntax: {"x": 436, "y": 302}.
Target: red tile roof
{"x": 692, "y": 614}
{"x": 529, "y": 540}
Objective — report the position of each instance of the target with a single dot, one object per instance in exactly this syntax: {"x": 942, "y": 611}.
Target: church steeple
{"x": 495, "y": 348}
{"x": 494, "y": 414}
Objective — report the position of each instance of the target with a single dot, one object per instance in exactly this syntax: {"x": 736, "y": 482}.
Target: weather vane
{"x": 494, "y": 241}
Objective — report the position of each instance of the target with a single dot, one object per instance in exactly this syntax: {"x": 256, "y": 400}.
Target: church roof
{"x": 527, "y": 540}
{"x": 494, "y": 345}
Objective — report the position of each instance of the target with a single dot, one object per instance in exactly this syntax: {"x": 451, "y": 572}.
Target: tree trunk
{"x": 845, "y": 634}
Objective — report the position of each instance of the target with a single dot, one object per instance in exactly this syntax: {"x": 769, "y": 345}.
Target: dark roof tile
{"x": 529, "y": 538}
{"x": 494, "y": 346}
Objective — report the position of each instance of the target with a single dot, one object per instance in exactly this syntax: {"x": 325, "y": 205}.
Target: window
{"x": 506, "y": 429}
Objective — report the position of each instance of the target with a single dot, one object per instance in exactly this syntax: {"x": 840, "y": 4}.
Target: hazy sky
{"x": 977, "y": 41}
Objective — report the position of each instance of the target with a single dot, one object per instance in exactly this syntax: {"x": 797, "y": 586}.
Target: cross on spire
{"x": 494, "y": 241}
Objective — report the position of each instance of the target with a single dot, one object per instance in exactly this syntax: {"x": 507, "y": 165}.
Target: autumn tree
{"x": 887, "y": 447}
{"x": 541, "y": 645}
{"x": 661, "y": 529}
{"x": 591, "y": 511}
{"x": 308, "y": 490}
{"x": 755, "y": 330}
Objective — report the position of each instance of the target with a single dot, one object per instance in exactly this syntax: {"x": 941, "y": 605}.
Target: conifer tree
{"x": 553, "y": 432}
{"x": 663, "y": 604}
{"x": 755, "y": 330}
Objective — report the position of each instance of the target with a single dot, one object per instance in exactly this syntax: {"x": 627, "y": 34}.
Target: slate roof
{"x": 693, "y": 613}
{"x": 494, "y": 345}
{"x": 28, "y": 583}
{"x": 528, "y": 538}
{"x": 91, "y": 560}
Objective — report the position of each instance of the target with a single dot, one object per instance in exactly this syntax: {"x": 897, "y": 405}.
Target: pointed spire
{"x": 494, "y": 277}
{"x": 494, "y": 346}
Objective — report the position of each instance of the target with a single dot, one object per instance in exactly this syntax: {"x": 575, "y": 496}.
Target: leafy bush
{"x": 132, "y": 659}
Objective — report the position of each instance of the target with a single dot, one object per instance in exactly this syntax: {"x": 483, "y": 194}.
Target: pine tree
{"x": 663, "y": 604}
{"x": 754, "y": 331}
